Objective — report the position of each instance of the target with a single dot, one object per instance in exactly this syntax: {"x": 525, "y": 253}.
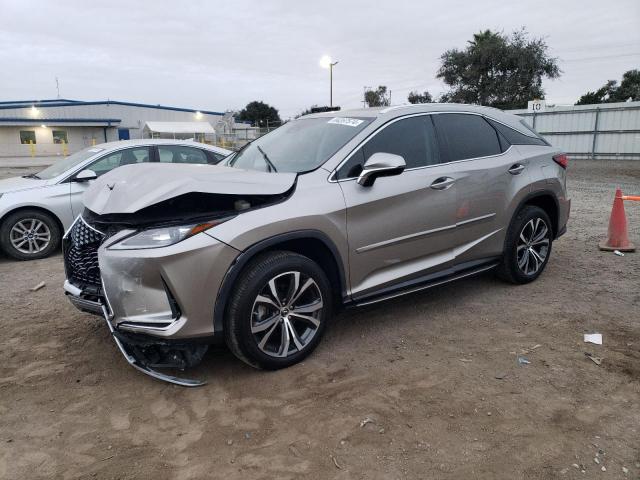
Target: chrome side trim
{"x": 404, "y": 238}
{"x": 412, "y": 236}
{"x": 476, "y": 219}
{"x": 424, "y": 287}
{"x": 332, "y": 175}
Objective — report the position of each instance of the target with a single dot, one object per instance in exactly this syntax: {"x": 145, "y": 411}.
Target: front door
{"x": 101, "y": 166}
{"x": 400, "y": 228}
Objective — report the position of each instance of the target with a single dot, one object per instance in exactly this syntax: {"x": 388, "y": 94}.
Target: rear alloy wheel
{"x": 527, "y": 246}
{"x": 278, "y": 311}
{"x": 533, "y": 246}
{"x": 29, "y": 235}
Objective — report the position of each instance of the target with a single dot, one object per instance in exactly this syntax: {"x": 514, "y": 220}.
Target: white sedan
{"x": 36, "y": 209}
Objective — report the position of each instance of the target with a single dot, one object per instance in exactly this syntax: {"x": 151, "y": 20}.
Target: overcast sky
{"x": 221, "y": 55}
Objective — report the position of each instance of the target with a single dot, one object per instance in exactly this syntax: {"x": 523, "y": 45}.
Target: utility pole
{"x": 58, "y": 87}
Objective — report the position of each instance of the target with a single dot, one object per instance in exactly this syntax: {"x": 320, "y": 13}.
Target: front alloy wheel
{"x": 286, "y": 314}
{"x": 278, "y": 310}
{"x": 30, "y": 236}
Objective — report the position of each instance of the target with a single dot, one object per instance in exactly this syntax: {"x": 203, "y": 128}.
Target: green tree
{"x": 611, "y": 92}
{"x": 498, "y": 70}
{"x": 259, "y": 114}
{"x": 424, "y": 97}
{"x": 377, "y": 97}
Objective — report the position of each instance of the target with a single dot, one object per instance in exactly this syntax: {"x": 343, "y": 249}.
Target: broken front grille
{"x": 81, "y": 255}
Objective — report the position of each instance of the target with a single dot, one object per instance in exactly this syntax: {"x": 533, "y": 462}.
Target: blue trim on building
{"x": 40, "y": 121}
{"x": 76, "y": 103}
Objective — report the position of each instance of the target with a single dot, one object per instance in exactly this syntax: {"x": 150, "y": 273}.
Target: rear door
{"x": 182, "y": 154}
{"x": 400, "y": 227}
{"x": 488, "y": 174}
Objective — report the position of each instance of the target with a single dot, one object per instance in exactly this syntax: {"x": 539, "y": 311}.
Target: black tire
{"x": 509, "y": 269}
{"x": 244, "y": 307}
{"x": 27, "y": 216}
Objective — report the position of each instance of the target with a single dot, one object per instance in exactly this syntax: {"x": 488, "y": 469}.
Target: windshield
{"x": 299, "y": 146}
{"x": 68, "y": 163}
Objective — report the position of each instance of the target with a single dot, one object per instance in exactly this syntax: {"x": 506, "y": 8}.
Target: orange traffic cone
{"x": 618, "y": 237}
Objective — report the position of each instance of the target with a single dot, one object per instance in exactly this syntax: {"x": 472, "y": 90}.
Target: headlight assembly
{"x": 164, "y": 236}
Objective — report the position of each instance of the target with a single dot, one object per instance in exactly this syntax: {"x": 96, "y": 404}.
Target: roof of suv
{"x": 407, "y": 109}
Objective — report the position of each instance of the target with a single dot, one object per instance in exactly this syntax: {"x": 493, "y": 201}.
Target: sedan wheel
{"x": 533, "y": 246}
{"x": 286, "y": 314}
{"x": 30, "y": 236}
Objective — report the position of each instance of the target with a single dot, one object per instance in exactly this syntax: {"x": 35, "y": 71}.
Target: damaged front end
{"x": 154, "y": 273}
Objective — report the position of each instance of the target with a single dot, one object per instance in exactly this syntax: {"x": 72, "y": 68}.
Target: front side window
{"x": 180, "y": 154}
{"x": 465, "y": 136}
{"x": 60, "y": 136}
{"x": 120, "y": 158}
{"x": 299, "y": 146}
{"x": 412, "y": 138}
{"x": 27, "y": 136}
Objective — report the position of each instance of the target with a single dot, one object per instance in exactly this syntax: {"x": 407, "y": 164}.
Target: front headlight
{"x": 164, "y": 236}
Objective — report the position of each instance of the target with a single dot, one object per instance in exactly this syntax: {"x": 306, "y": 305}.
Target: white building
{"x": 55, "y": 127}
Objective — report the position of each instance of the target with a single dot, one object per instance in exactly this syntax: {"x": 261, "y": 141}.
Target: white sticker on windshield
{"x": 349, "y": 122}
{"x": 96, "y": 150}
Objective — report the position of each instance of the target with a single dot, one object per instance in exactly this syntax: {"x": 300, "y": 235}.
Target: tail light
{"x": 561, "y": 160}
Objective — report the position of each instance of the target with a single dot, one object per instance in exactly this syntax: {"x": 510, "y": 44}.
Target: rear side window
{"x": 464, "y": 136}
{"x": 412, "y": 138}
{"x": 180, "y": 154}
{"x": 514, "y": 137}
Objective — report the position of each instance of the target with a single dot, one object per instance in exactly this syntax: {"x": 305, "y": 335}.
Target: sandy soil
{"x": 426, "y": 386}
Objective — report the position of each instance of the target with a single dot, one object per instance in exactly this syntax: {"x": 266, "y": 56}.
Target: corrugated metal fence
{"x": 604, "y": 131}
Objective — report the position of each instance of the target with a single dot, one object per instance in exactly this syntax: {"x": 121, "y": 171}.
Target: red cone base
{"x": 618, "y": 237}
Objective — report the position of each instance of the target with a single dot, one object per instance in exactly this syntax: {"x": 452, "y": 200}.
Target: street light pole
{"x": 331, "y": 65}
{"x": 325, "y": 62}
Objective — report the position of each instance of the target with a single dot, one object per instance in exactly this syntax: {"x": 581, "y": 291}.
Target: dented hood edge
{"x": 130, "y": 188}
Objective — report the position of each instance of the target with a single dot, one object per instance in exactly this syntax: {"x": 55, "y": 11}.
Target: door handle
{"x": 516, "y": 169}
{"x": 442, "y": 183}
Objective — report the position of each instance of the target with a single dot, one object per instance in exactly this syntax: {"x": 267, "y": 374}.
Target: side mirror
{"x": 381, "y": 165}
{"x": 85, "y": 176}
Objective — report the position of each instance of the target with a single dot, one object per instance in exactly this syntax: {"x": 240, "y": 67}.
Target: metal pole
{"x": 331, "y": 65}
{"x": 595, "y": 134}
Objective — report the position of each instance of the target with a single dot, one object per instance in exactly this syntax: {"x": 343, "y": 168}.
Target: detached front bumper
{"x": 166, "y": 292}
{"x": 158, "y": 303}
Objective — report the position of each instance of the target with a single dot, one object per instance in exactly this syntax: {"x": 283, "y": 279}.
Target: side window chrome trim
{"x": 331, "y": 178}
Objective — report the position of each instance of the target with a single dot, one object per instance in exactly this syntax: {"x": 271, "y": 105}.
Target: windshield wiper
{"x": 32, "y": 175}
{"x": 266, "y": 159}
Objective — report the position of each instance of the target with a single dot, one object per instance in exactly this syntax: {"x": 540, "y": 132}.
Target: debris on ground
{"x": 500, "y": 376}
{"x": 593, "y": 358}
{"x": 625, "y": 470}
{"x": 593, "y": 338}
{"x": 618, "y": 253}
{"x": 335, "y": 462}
{"x": 365, "y": 421}
{"x": 523, "y": 361}
{"x": 38, "y": 287}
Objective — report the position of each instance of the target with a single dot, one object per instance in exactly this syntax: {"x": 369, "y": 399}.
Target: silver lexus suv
{"x": 329, "y": 210}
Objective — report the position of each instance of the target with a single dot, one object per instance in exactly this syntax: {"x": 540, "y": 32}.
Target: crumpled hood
{"x": 131, "y": 188}
{"x": 16, "y": 184}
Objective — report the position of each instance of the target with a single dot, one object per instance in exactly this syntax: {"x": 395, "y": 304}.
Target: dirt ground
{"x": 425, "y": 386}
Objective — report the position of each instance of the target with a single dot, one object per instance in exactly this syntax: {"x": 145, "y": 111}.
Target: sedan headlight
{"x": 164, "y": 236}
